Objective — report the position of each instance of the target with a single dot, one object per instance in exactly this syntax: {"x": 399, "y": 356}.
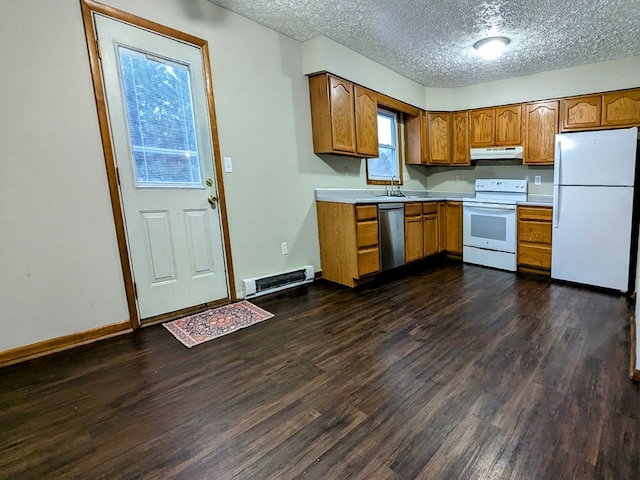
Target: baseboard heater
{"x": 254, "y": 287}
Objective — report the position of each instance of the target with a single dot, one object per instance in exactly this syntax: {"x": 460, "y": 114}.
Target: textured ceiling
{"x": 431, "y": 42}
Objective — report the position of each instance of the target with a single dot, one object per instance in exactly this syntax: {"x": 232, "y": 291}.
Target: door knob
{"x": 212, "y": 200}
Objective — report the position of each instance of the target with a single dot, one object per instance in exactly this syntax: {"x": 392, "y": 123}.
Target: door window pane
{"x": 161, "y": 120}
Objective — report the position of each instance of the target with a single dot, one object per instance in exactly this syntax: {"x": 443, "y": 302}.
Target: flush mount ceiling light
{"x": 492, "y": 47}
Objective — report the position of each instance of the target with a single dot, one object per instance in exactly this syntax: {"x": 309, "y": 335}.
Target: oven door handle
{"x": 490, "y": 207}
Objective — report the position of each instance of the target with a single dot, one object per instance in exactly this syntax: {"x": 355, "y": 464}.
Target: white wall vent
{"x": 254, "y": 287}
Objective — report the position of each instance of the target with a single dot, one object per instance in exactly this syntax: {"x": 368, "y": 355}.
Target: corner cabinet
{"x": 540, "y": 128}
{"x": 424, "y": 230}
{"x": 344, "y": 117}
{"x": 415, "y": 139}
{"x": 437, "y": 138}
{"x": 348, "y": 237}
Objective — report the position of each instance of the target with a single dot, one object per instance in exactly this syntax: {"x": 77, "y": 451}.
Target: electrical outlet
{"x": 346, "y": 171}
{"x": 457, "y": 178}
{"x": 285, "y": 248}
{"x": 537, "y": 179}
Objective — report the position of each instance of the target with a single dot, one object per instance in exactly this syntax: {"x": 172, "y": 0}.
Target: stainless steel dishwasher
{"x": 391, "y": 235}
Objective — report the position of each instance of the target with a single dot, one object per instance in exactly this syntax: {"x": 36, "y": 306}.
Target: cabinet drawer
{"x": 541, "y": 214}
{"x": 534, "y": 232}
{"x": 430, "y": 208}
{"x": 412, "y": 209}
{"x": 367, "y": 233}
{"x": 535, "y": 256}
{"x": 366, "y": 212}
{"x": 368, "y": 261}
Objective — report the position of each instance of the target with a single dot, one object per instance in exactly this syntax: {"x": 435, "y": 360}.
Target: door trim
{"x": 89, "y": 7}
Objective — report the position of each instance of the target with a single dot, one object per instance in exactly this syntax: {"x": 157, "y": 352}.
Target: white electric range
{"x": 489, "y": 223}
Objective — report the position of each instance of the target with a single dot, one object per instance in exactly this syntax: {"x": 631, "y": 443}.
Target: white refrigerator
{"x": 594, "y": 174}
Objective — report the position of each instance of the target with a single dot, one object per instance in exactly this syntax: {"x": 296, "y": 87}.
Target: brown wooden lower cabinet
{"x": 348, "y": 237}
{"x": 442, "y": 237}
{"x": 430, "y": 228}
{"x": 413, "y": 232}
{"x": 453, "y": 228}
{"x": 534, "y": 239}
{"x": 425, "y": 227}
{"x": 348, "y": 234}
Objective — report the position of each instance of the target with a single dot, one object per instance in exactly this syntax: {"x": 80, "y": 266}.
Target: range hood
{"x": 496, "y": 153}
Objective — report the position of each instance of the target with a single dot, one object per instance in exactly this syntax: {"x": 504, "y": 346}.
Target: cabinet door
{"x": 482, "y": 127}
{"x": 439, "y": 138}
{"x": 580, "y": 113}
{"x": 540, "y": 128}
{"x": 460, "y": 138}
{"x": 508, "y": 125}
{"x": 366, "y": 121}
{"x": 621, "y": 108}
{"x": 430, "y": 228}
{"x": 413, "y": 237}
{"x": 415, "y": 130}
{"x": 343, "y": 133}
{"x": 442, "y": 239}
{"x": 453, "y": 228}
{"x": 534, "y": 237}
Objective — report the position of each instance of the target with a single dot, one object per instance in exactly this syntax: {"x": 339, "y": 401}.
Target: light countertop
{"x": 369, "y": 196}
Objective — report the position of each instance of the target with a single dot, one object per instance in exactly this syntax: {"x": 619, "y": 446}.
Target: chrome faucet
{"x": 398, "y": 193}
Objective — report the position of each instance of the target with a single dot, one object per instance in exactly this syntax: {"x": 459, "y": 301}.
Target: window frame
{"x": 397, "y": 147}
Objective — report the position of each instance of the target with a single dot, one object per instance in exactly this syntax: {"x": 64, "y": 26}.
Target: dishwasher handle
{"x": 390, "y": 206}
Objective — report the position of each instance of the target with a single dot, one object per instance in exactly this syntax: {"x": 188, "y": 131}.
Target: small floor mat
{"x": 199, "y": 328}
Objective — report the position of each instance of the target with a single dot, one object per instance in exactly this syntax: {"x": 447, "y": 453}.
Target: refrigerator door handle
{"x": 556, "y": 206}
{"x": 558, "y": 161}
{"x": 557, "y": 170}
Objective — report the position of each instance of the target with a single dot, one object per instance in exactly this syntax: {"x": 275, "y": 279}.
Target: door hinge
{"x": 135, "y": 290}
{"x": 98, "y": 49}
{"x": 118, "y": 175}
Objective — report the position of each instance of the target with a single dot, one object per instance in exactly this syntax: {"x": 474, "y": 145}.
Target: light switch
{"x": 228, "y": 165}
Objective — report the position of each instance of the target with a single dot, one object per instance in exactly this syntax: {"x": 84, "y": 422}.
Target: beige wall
{"x": 60, "y": 270}
{"x": 59, "y": 265}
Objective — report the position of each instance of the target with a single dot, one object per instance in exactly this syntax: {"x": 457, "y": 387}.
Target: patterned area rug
{"x": 204, "y": 326}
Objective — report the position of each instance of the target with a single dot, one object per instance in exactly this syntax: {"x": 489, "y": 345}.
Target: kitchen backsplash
{"x": 444, "y": 179}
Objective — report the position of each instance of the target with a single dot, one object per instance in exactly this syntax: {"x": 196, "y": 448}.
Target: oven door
{"x": 490, "y": 226}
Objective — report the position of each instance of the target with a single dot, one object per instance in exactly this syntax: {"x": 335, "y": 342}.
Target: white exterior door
{"x": 159, "y": 119}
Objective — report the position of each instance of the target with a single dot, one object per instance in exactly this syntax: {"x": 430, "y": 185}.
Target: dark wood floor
{"x": 446, "y": 372}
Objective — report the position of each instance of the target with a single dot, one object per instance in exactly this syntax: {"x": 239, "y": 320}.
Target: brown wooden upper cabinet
{"x": 580, "y": 113}
{"x": 609, "y": 110}
{"x": 460, "y": 138}
{"x": 621, "y": 108}
{"x": 498, "y": 126}
{"x": 438, "y": 138}
{"x": 482, "y": 127}
{"x": 415, "y": 139}
{"x": 540, "y": 128}
{"x": 344, "y": 117}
